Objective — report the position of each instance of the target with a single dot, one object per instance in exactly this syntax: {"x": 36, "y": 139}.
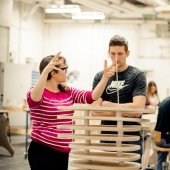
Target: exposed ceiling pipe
{"x": 95, "y": 6}
{"x": 115, "y": 6}
{"x": 160, "y": 7}
{"x": 32, "y": 11}
{"x": 153, "y": 2}
{"x": 111, "y": 21}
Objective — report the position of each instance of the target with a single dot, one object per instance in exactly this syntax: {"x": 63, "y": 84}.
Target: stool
{"x": 156, "y": 148}
{"x": 3, "y": 134}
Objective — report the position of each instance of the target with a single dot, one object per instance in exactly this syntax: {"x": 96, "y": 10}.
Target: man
{"x": 162, "y": 125}
{"x": 126, "y": 88}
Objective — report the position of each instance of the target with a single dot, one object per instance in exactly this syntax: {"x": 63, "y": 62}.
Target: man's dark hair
{"x": 118, "y": 41}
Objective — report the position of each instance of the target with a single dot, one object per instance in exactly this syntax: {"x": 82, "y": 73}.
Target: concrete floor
{"x": 18, "y": 161}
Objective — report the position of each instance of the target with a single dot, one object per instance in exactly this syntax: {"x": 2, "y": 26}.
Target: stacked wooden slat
{"x": 103, "y": 156}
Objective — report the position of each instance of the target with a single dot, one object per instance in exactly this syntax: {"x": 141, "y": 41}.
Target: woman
{"x": 47, "y": 150}
{"x": 152, "y": 98}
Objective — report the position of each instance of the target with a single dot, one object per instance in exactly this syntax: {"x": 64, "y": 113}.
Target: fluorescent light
{"x": 63, "y": 9}
{"x": 88, "y": 15}
{"x": 165, "y": 8}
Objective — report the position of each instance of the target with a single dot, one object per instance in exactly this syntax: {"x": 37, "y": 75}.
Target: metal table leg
{"x": 26, "y": 135}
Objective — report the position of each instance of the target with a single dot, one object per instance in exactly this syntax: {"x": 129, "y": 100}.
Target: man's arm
{"x": 138, "y": 102}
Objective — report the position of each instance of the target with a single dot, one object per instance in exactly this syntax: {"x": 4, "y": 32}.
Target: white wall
{"x": 154, "y": 56}
{"x": 6, "y": 12}
{"x": 5, "y": 21}
{"x": 86, "y": 45}
{"x": 4, "y": 43}
{"x": 160, "y": 73}
{"x": 26, "y": 34}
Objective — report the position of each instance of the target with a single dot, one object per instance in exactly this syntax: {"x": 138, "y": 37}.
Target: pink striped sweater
{"x": 44, "y": 116}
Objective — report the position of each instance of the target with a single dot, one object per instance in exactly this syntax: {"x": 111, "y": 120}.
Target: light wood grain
{"x": 127, "y": 119}
{"x": 157, "y": 148}
{"x": 104, "y": 156}
{"x": 156, "y": 136}
{"x": 4, "y": 111}
{"x": 101, "y": 128}
{"x": 98, "y": 165}
{"x": 86, "y": 107}
{"x": 106, "y": 147}
{"x": 100, "y": 137}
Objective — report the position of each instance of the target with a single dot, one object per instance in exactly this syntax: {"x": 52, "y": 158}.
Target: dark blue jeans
{"x": 140, "y": 151}
{"x": 162, "y": 156}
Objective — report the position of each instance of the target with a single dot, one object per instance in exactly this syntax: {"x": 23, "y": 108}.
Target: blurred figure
{"x": 162, "y": 125}
{"x": 152, "y": 98}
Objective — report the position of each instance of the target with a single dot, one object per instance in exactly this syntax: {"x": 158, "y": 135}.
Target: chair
{"x": 4, "y": 142}
{"x": 156, "y": 137}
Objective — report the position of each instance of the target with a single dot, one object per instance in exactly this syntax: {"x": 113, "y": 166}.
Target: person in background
{"x": 162, "y": 125}
{"x": 152, "y": 98}
{"x": 130, "y": 82}
{"x": 47, "y": 150}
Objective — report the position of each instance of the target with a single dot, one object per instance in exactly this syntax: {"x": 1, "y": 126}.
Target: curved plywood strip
{"x": 105, "y": 147}
{"x": 88, "y": 107}
{"x": 125, "y": 128}
{"x": 99, "y": 165}
{"x": 157, "y": 148}
{"x": 100, "y": 137}
{"x": 127, "y": 119}
{"x": 104, "y": 156}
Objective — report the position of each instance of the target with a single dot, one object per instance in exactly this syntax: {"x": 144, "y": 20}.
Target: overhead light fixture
{"x": 89, "y": 15}
{"x": 164, "y": 8}
{"x": 63, "y": 9}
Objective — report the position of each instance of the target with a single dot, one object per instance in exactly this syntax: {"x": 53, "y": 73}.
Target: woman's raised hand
{"x": 52, "y": 64}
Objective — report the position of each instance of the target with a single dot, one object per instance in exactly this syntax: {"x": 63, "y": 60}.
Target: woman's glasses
{"x": 64, "y": 68}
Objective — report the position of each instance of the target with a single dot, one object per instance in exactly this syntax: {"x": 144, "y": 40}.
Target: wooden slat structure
{"x": 93, "y": 155}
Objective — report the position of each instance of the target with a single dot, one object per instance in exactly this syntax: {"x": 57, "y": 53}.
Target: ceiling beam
{"x": 114, "y": 6}
{"x": 32, "y": 11}
{"x": 153, "y": 2}
{"x": 110, "y": 21}
{"x": 95, "y": 6}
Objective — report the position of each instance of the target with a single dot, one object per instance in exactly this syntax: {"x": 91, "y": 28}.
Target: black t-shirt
{"x": 163, "y": 119}
{"x": 131, "y": 83}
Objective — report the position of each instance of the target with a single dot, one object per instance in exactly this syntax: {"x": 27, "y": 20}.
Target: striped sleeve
{"x": 30, "y": 102}
{"x": 81, "y": 96}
